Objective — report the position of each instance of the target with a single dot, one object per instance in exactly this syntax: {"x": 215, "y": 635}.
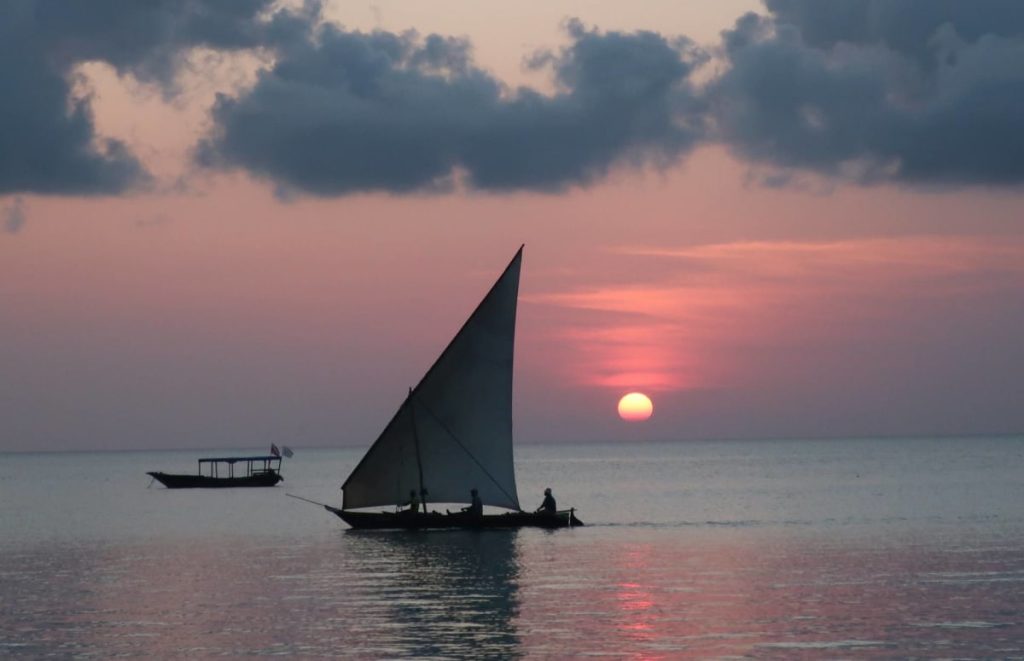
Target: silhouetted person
{"x": 414, "y": 502}
{"x": 548, "y": 506}
{"x": 476, "y": 506}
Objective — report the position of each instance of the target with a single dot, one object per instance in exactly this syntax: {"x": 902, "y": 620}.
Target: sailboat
{"x": 452, "y": 434}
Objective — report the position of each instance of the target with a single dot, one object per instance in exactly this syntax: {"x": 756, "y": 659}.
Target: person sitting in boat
{"x": 414, "y": 502}
{"x": 476, "y": 506}
{"x": 548, "y": 506}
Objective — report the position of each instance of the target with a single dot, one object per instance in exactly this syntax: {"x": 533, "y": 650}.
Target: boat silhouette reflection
{"x": 446, "y": 593}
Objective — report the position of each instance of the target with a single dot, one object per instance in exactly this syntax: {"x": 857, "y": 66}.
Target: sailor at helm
{"x": 548, "y": 506}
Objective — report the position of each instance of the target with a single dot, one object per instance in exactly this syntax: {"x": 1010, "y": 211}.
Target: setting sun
{"x": 635, "y": 406}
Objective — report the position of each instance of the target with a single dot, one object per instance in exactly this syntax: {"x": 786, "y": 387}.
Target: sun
{"x": 635, "y": 406}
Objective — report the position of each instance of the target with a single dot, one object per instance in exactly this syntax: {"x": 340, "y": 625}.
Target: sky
{"x": 230, "y": 224}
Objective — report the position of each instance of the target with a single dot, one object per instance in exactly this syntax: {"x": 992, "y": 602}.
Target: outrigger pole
{"x": 291, "y": 495}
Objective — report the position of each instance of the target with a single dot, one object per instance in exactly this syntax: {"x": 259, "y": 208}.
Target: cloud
{"x": 352, "y": 111}
{"x": 48, "y": 139}
{"x": 14, "y": 216}
{"x": 149, "y": 38}
{"x": 913, "y": 92}
{"x": 904, "y": 26}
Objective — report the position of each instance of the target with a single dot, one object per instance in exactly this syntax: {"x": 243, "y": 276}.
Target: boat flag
{"x": 286, "y": 451}
{"x": 274, "y": 451}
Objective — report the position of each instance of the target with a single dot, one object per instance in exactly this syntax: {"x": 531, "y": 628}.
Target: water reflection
{"x": 445, "y": 593}
{"x": 360, "y": 595}
{"x": 638, "y": 594}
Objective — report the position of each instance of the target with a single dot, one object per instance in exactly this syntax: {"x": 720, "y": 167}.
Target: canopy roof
{"x": 232, "y": 460}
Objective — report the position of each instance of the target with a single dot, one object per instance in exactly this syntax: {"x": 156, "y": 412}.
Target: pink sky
{"x": 216, "y": 314}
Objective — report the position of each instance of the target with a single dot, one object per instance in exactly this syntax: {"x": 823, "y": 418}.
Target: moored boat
{"x": 452, "y": 435}
{"x": 220, "y": 472}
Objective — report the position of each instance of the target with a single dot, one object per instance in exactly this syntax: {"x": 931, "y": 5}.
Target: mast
{"x": 419, "y": 459}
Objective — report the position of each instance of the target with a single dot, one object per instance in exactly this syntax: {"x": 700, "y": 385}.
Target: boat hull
{"x": 172, "y": 481}
{"x": 423, "y": 521}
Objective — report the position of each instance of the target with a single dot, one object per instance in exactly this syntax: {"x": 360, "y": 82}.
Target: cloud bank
{"x": 48, "y": 140}
{"x": 915, "y": 92}
{"x": 908, "y": 92}
{"x": 348, "y": 111}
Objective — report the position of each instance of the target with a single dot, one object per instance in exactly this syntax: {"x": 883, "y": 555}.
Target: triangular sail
{"x": 456, "y": 425}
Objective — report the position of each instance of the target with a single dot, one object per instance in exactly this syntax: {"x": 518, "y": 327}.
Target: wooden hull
{"x": 172, "y": 481}
{"x": 421, "y": 521}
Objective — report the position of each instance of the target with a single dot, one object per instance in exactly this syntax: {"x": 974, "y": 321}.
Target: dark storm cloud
{"x": 350, "y": 111}
{"x": 148, "y": 38}
{"x": 48, "y": 142}
{"x": 920, "y": 92}
{"x": 917, "y": 92}
{"x": 905, "y": 26}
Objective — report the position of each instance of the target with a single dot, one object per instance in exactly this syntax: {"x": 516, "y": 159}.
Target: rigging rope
{"x": 466, "y": 450}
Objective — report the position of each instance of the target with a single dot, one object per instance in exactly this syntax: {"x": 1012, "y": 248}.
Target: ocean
{"x": 874, "y": 548}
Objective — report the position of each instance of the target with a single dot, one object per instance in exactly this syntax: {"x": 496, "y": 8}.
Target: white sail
{"x": 453, "y": 432}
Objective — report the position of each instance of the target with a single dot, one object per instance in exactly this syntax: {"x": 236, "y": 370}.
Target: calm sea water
{"x": 767, "y": 549}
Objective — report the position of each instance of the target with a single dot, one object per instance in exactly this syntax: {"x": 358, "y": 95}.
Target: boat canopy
{"x": 453, "y": 432}
{"x": 232, "y": 460}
